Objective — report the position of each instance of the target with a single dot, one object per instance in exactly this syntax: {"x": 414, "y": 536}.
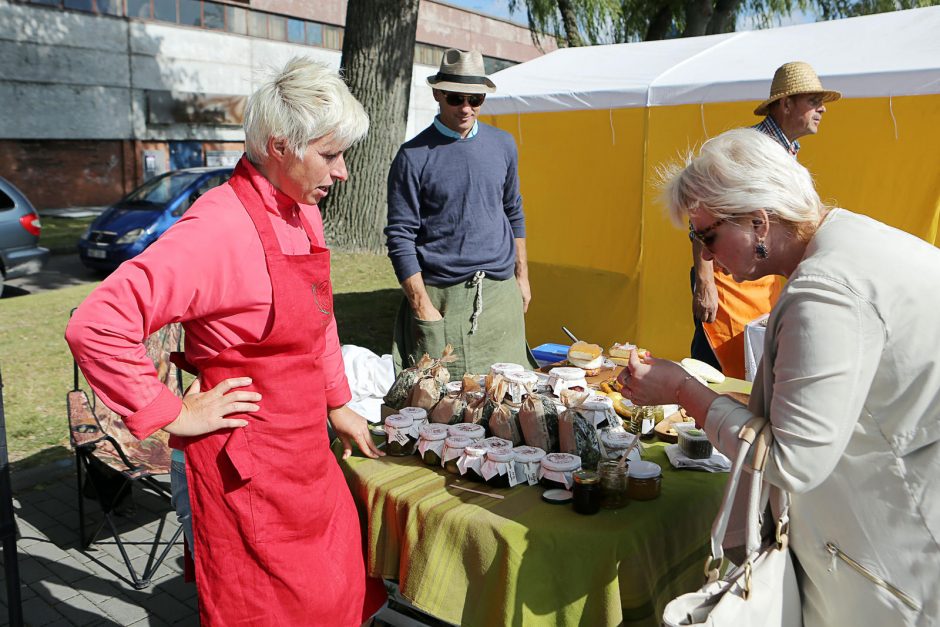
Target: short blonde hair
{"x": 303, "y": 102}
{"x": 738, "y": 173}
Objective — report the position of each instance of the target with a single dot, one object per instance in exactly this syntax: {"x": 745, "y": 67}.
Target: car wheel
{"x": 1, "y": 283}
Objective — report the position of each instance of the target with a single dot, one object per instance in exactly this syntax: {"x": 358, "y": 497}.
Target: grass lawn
{"x": 37, "y": 366}
{"x": 60, "y": 235}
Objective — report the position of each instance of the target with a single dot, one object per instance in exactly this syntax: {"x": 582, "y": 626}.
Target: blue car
{"x": 128, "y": 226}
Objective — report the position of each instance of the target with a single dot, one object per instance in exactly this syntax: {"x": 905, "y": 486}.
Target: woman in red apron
{"x": 277, "y": 535}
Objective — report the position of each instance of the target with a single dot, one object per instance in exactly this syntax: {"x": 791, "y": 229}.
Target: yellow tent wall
{"x": 604, "y": 258}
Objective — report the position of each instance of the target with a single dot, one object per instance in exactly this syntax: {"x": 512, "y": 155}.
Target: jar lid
{"x": 399, "y": 421}
{"x": 499, "y": 455}
{"x": 522, "y": 377}
{"x": 415, "y": 413}
{"x": 567, "y": 373}
{"x": 598, "y": 402}
{"x": 457, "y": 442}
{"x": 454, "y": 386}
{"x": 467, "y": 430}
{"x": 691, "y": 434}
{"x": 617, "y": 440}
{"x": 475, "y": 450}
{"x": 495, "y": 443}
{"x": 644, "y": 470}
{"x": 562, "y": 462}
{"x": 528, "y": 454}
{"x": 504, "y": 369}
{"x": 433, "y": 432}
{"x": 585, "y": 477}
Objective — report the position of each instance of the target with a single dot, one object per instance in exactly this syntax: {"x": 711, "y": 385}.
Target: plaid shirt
{"x": 769, "y": 127}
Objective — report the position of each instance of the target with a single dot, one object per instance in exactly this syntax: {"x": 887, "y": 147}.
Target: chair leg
{"x": 81, "y": 499}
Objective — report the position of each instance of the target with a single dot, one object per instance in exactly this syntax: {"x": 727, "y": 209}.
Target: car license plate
{"x": 97, "y": 254}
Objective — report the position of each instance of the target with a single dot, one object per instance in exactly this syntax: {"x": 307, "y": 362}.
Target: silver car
{"x": 19, "y": 234}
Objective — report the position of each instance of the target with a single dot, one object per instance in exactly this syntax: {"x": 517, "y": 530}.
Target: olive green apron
{"x": 498, "y": 334}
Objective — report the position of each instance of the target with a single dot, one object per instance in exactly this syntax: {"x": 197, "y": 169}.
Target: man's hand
{"x": 526, "y": 292}
{"x": 204, "y": 412}
{"x": 351, "y": 427}
{"x": 428, "y": 314}
{"x": 705, "y": 300}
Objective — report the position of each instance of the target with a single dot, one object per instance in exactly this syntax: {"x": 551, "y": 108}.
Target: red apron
{"x": 277, "y": 533}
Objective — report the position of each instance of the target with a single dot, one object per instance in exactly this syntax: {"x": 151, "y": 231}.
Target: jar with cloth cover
{"x": 556, "y": 468}
{"x": 431, "y": 443}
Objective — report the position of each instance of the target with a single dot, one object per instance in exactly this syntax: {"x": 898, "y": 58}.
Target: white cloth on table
{"x": 716, "y": 463}
{"x": 370, "y": 377}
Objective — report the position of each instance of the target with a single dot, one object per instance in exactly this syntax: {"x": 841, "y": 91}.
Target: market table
{"x": 472, "y": 559}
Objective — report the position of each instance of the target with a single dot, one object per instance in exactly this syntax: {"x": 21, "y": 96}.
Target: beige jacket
{"x": 850, "y": 381}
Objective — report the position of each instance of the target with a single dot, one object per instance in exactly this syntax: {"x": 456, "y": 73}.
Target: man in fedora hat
{"x": 456, "y": 231}
{"x": 721, "y": 307}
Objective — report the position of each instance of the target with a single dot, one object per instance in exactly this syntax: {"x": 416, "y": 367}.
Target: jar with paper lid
{"x": 400, "y": 435}
{"x": 644, "y": 480}
{"x": 431, "y": 443}
{"x": 471, "y": 462}
{"x": 499, "y": 468}
{"x": 528, "y": 461}
{"x": 453, "y": 449}
{"x": 614, "y": 442}
{"x": 555, "y": 470}
{"x": 498, "y": 444}
{"x": 600, "y": 409}
{"x": 519, "y": 384}
{"x": 467, "y": 430}
{"x": 566, "y": 378}
{"x": 418, "y": 416}
{"x": 505, "y": 369}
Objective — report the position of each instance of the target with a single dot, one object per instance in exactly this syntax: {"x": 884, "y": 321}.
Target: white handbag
{"x": 763, "y": 590}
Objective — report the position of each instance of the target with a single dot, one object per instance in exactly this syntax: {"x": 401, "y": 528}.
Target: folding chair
{"x": 100, "y": 437}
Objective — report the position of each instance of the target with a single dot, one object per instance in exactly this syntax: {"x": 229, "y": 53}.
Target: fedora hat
{"x": 463, "y": 73}
{"x": 795, "y": 78}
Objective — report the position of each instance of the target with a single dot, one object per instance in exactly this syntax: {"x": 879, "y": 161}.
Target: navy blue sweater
{"x": 454, "y": 207}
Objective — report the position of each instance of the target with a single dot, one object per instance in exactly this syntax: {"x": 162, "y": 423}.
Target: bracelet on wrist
{"x": 679, "y": 387}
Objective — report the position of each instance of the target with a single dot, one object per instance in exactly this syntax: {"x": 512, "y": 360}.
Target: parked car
{"x": 133, "y": 223}
{"x": 20, "y": 253}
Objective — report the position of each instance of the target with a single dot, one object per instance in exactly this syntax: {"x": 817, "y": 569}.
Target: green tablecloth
{"x": 474, "y": 560}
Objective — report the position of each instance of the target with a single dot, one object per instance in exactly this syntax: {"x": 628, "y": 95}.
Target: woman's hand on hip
{"x": 353, "y": 428}
{"x": 205, "y": 412}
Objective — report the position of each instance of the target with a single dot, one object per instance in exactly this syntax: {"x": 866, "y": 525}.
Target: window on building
{"x": 314, "y": 34}
{"x": 190, "y": 13}
{"x": 213, "y": 15}
{"x": 426, "y": 54}
{"x": 81, "y": 5}
{"x": 258, "y": 24}
{"x": 492, "y": 65}
{"x": 277, "y": 27}
{"x": 52, "y": 3}
{"x": 164, "y": 10}
{"x": 110, "y": 7}
{"x": 139, "y": 8}
{"x": 332, "y": 37}
{"x": 236, "y": 20}
{"x": 295, "y": 31}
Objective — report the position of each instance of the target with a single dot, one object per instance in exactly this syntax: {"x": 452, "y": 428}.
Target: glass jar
{"x": 519, "y": 385}
{"x": 498, "y": 469}
{"x": 566, "y": 378}
{"x": 587, "y": 492}
{"x": 613, "y": 484}
{"x": 431, "y": 443}
{"x": 504, "y": 369}
{"x": 528, "y": 460}
{"x": 400, "y": 436}
{"x": 454, "y": 446}
{"x": 600, "y": 410}
{"x": 467, "y": 430}
{"x": 643, "y": 420}
{"x": 555, "y": 470}
{"x": 494, "y": 443}
{"x": 418, "y": 416}
{"x": 615, "y": 442}
{"x": 470, "y": 463}
{"x": 645, "y": 481}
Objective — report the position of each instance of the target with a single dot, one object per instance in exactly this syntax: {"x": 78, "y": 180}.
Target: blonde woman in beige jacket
{"x": 850, "y": 379}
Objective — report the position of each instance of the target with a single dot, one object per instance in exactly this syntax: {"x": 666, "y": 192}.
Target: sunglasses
{"x": 708, "y": 235}
{"x": 457, "y": 100}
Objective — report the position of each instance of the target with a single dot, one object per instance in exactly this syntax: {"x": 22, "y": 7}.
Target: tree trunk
{"x": 722, "y": 19}
{"x": 570, "y": 20}
{"x": 378, "y": 61}
{"x": 697, "y": 14}
{"x": 659, "y": 25}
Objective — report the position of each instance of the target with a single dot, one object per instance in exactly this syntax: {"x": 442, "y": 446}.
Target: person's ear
{"x": 761, "y": 222}
{"x": 277, "y": 148}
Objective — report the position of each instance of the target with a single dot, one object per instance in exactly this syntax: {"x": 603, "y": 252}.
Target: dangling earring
{"x": 761, "y": 249}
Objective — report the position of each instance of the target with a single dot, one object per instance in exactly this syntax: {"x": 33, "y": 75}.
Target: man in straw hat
{"x": 456, "y": 231}
{"x": 721, "y": 307}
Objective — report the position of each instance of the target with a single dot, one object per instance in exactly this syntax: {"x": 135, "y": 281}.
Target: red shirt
{"x": 207, "y": 271}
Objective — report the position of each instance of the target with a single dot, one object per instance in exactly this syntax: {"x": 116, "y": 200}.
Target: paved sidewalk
{"x": 62, "y": 585}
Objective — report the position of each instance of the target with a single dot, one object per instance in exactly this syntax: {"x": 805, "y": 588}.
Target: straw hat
{"x": 795, "y": 78}
{"x": 462, "y": 72}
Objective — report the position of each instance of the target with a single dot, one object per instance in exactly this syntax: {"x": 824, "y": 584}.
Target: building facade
{"x": 96, "y": 96}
